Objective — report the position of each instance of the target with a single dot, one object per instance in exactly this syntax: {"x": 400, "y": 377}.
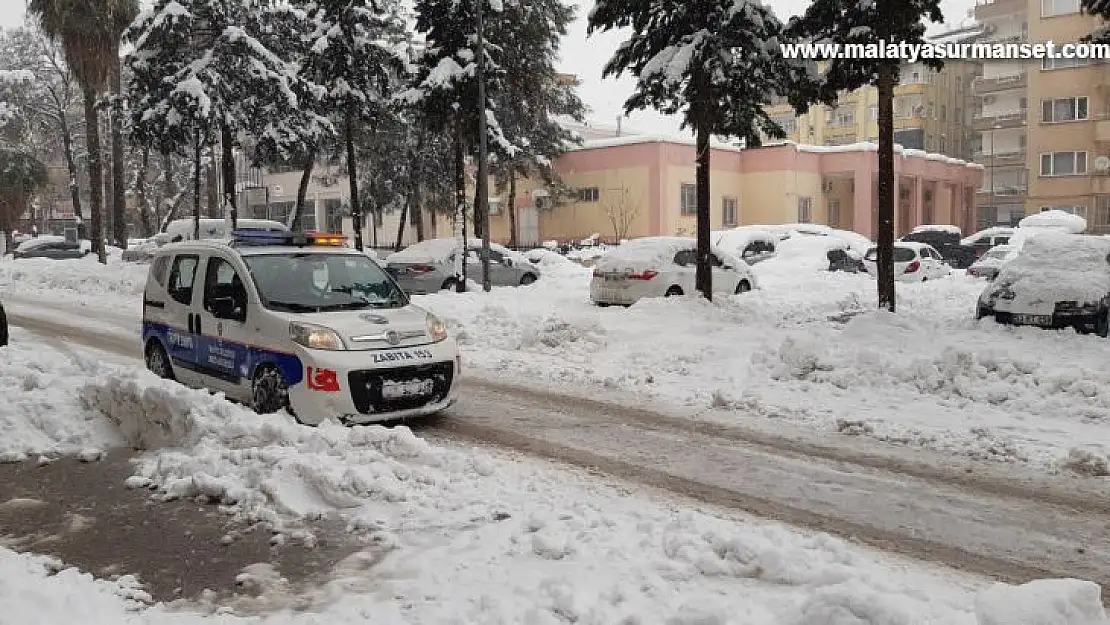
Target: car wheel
{"x": 449, "y": 285}
{"x": 981, "y": 312}
{"x": 674, "y": 290}
{"x": 3, "y": 327}
{"x": 527, "y": 279}
{"x": 743, "y": 287}
{"x": 269, "y": 391}
{"x": 158, "y": 362}
{"x": 1102, "y": 324}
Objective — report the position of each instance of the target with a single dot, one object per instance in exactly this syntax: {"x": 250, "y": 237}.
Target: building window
{"x": 840, "y": 119}
{"x": 1063, "y": 62}
{"x": 1050, "y": 8}
{"x": 943, "y": 113}
{"x": 494, "y": 205}
{"x": 874, "y": 111}
{"x": 805, "y": 210}
{"x": 729, "y": 213}
{"x": 1063, "y": 164}
{"x": 688, "y": 199}
{"x": 1064, "y": 109}
{"x": 1080, "y": 211}
{"x": 587, "y": 194}
{"x": 834, "y": 213}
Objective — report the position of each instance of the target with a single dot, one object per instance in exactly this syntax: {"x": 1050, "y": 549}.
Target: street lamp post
{"x": 483, "y": 178}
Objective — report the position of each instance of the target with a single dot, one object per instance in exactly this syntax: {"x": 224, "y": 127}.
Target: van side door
{"x": 223, "y": 320}
{"x": 180, "y": 334}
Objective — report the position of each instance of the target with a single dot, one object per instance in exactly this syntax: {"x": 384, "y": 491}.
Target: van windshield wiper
{"x": 294, "y": 307}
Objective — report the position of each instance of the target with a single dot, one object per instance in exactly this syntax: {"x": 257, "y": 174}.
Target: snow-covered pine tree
{"x": 1101, "y": 9}
{"x": 534, "y": 98}
{"x": 715, "y": 62}
{"x": 199, "y": 65}
{"x": 876, "y": 23}
{"x": 359, "y": 53}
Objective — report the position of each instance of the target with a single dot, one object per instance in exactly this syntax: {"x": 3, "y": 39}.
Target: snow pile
{"x": 944, "y": 228}
{"x": 736, "y": 240}
{"x": 1055, "y": 220}
{"x": 645, "y": 253}
{"x": 79, "y": 280}
{"x": 429, "y": 251}
{"x": 1042, "y": 602}
{"x": 1060, "y": 267}
{"x": 41, "y": 415}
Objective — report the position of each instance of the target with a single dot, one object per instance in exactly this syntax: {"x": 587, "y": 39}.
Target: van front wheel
{"x": 269, "y": 391}
{"x": 158, "y": 362}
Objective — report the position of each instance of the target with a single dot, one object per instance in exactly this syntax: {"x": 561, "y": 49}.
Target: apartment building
{"x": 1041, "y": 124}
{"x": 930, "y": 113}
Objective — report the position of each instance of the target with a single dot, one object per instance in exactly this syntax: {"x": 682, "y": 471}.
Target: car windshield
{"x": 901, "y": 254}
{"x": 313, "y": 282}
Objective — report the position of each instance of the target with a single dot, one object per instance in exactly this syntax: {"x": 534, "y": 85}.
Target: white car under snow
{"x": 913, "y": 262}
{"x": 1059, "y": 280}
{"x": 662, "y": 267}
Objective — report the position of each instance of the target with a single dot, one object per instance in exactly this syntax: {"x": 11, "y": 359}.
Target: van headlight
{"x": 315, "y": 337}
{"x": 436, "y": 329}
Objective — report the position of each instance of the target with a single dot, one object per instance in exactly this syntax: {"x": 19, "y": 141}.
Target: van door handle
{"x": 191, "y": 324}
{"x": 197, "y": 322}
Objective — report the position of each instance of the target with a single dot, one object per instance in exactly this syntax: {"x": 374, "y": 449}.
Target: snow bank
{"x": 78, "y": 280}
{"x": 1042, "y": 602}
{"x": 41, "y": 413}
{"x": 429, "y": 251}
{"x": 1055, "y": 219}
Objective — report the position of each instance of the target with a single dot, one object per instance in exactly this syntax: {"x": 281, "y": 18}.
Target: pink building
{"x": 642, "y": 186}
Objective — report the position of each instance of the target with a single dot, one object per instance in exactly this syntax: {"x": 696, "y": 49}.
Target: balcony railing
{"x": 987, "y": 9}
{"x": 1006, "y": 190}
{"x": 1000, "y": 159}
{"x": 1006, "y": 119}
{"x": 989, "y": 84}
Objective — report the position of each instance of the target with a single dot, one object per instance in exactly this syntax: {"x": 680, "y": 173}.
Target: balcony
{"x": 846, "y": 131}
{"x": 987, "y": 9}
{"x": 1001, "y": 82}
{"x": 983, "y": 122}
{"x": 1006, "y": 193}
{"x": 1010, "y": 158}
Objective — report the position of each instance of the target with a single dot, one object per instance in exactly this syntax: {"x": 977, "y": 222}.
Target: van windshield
{"x": 312, "y": 282}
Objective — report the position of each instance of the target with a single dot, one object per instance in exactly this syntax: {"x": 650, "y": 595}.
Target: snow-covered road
{"x": 1006, "y": 521}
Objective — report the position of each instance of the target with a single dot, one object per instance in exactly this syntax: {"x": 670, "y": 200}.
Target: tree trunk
{"x": 352, "y": 178}
{"x": 119, "y": 206}
{"x": 703, "y": 276}
{"x": 196, "y": 186}
{"x": 96, "y": 177}
{"x": 141, "y": 197}
{"x": 71, "y": 165}
{"x": 477, "y": 215}
{"x": 511, "y": 207}
{"x": 417, "y": 187}
{"x": 231, "y": 202}
{"x": 170, "y": 192}
{"x": 302, "y": 191}
{"x": 212, "y": 177}
{"x": 460, "y": 208}
{"x": 884, "y": 236}
{"x": 401, "y": 224}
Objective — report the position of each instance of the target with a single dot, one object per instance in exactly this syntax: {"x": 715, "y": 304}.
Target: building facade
{"x": 638, "y": 186}
{"x": 1041, "y": 123}
{"x": 931, "y": 111}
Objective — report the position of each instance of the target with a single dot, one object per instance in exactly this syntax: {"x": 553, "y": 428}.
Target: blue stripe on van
{"x": 221, "y": 357}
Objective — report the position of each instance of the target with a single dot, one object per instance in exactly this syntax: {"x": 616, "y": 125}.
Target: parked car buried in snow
{"x": 1059, "y": 280}
{"x": 662, "y": 267}
{"x": 991, "y": 263}
{"x": 987, "y": 238}
{"x": 429, "y": 266}
{"x": 913, "y": 262}
{"x": 752, "y": 244}
{"x": 947, "y": 242}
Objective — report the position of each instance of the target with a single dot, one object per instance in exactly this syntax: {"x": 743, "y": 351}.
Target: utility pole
{"x": 483, "y": 178}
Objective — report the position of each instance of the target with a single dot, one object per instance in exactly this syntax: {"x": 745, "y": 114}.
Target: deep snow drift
{"x": 806, "y": 349}
{"x": 472, "y": 537}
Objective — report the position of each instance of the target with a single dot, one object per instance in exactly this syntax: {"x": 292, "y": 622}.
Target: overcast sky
{"x": 585, "y": 57}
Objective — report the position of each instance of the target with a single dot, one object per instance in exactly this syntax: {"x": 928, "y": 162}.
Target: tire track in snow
{"x": 1014, "y": 530}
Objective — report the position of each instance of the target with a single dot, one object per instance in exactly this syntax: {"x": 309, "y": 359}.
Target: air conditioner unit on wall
{"x": 827, "y": 186}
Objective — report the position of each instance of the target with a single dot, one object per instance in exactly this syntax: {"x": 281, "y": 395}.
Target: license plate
{"x": 403, "y": 355}
{"x": 1033, "y": 320}
{"x": 414, "y": 388}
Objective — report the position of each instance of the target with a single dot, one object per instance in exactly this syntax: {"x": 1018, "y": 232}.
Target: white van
{"x": 294, "y": 321}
